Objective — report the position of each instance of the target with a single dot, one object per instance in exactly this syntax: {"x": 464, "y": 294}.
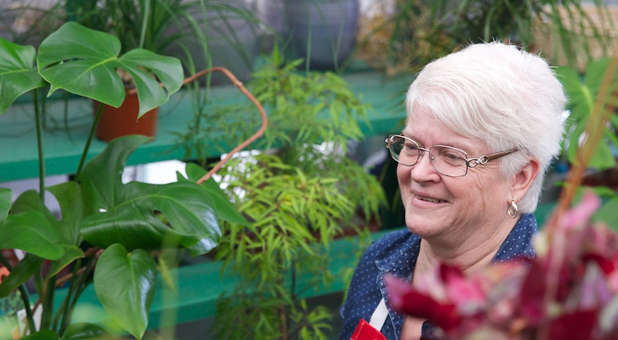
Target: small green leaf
{"x": 21, "y": 273}
{"x": 70, "y": 254}
{"x": 32, "y": 233}
{"x": 17, "y": 73}
{"x": 124, "y": 283}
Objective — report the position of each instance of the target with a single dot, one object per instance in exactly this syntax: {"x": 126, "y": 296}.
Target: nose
{"x": 423, "y": 170}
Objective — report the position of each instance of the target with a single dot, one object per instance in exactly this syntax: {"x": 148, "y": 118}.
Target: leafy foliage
{"x": 582, "y": 92}
{"x": 293, "y": 217}
{"x": 421, "y": 31}
{"x": 297, "y": 198}
{"x": 101, "y": 216}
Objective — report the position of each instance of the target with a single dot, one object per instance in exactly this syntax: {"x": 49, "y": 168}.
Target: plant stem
{"x": 145, "y": 15}
{"x": 48, "y": 303}
{"x": 80, "y": 287}
{"x": 93, "y": 128}
{"x": 24, "y": 296}
{"x": 39, "y": 140}
{"x": 65, "y": 303}
{"x": 284, "y": 323}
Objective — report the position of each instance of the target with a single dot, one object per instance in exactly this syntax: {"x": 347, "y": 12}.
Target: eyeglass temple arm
{"x": 496, "y": 155}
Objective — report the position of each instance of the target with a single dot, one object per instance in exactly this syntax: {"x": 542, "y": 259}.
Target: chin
{"x": 423, "y": 227}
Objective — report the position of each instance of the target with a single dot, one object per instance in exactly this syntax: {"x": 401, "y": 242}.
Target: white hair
{"x": 501, "y": 95}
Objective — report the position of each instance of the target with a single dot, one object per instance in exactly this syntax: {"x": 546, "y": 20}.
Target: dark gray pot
{"x": 233, "y": 45}
{"x": 323, "y": 30}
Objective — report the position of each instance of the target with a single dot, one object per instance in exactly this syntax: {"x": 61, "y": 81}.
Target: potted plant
{"x": 170, "y": 27}
{"x": 110, "y": 233}
{"x": 297, "y": 197}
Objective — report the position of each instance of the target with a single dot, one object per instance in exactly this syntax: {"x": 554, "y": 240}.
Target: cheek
{"x": 403, "y": 174}
{"x": 403, "y": 177}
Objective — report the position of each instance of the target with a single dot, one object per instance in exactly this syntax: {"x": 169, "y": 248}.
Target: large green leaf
{"x": 124, "y": 283}
{"x": 155, "y": 215}
{"x": 84, "y": 62}
{"x": 17, "y": 73}
{"x": 101, "y": 178}
{"x": 140, "y": 215}
{"x": 69, "y": 197}
{"x": 31, "y": 232}
{"x": 85, "y": 331}
{"x": 42, "y": 335}
{"x": 149, "y": 92}
{"x": 219, "y": 201}
{"x": 21, "y": 273}
{"x": 5, "y": 202}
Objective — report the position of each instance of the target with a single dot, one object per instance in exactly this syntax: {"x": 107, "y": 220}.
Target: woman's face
{"x": 449, "y": 208}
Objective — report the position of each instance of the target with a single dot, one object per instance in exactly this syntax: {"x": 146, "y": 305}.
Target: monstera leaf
{"x": 141, "y": 215}
{"x": 17, "y": 72}
{"x": 124, "y": 283}
{"x": 68, "y": 60}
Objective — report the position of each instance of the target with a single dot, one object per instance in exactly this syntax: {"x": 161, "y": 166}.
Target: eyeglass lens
{"x": 446, "y": 160}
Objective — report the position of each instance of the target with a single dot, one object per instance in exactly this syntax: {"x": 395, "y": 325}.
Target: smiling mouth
{"x": 431, "y": 200}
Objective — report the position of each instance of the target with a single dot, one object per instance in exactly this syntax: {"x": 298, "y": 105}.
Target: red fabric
{"x": 365, "y": 331}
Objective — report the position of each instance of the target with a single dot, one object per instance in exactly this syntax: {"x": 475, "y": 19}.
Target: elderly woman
{"x": 483, "y": 125}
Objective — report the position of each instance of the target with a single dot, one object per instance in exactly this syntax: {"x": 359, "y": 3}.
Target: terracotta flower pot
{"x": 122, "y": 121}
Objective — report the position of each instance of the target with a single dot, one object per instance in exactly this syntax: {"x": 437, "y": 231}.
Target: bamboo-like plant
{"x": 297, "y": 197}
{"x": 108, "y": 230}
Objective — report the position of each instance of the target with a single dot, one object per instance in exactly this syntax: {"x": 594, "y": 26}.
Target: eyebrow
{"x": 464, "y": 147}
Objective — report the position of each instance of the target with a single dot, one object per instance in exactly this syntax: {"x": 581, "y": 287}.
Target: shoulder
{"x": 519, "y": 241}
{"x": 364, "y": 294}
{"x": 391, "y": 243}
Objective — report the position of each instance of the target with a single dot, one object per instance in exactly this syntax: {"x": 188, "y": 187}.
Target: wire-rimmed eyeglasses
{"x": 447, "y": 160}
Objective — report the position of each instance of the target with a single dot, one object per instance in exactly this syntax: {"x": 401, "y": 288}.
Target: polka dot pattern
{"x": 396, "y": 253}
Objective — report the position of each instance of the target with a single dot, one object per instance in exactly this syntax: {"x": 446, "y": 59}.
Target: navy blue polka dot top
{"x": 396, "y": 253}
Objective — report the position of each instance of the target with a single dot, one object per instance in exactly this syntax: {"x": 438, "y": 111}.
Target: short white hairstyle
{"x": 502, "y": 95}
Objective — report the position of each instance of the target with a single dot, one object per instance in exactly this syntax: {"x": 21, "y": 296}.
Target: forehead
{"x": 425, "y": 128}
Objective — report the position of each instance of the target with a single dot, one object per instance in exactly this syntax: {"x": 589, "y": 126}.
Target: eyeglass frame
{"x": 470, "y": 162}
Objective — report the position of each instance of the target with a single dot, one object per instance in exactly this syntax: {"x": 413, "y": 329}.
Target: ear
{"x": 523, "y": 179}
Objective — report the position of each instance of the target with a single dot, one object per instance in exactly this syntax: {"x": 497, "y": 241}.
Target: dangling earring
{"x": 512, "y": 209}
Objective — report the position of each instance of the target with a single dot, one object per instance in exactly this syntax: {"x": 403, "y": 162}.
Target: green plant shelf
{"x": 63, "y": 147}
{"x": 200, "y": 284}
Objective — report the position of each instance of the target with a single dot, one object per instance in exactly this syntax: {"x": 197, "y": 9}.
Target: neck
{"x": 470, "y": 253}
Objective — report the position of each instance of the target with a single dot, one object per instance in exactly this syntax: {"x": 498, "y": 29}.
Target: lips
{"x": 428, "y": 198}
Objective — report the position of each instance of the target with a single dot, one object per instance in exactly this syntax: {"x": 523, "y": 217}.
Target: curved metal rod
{"x": 248, "y": 94}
